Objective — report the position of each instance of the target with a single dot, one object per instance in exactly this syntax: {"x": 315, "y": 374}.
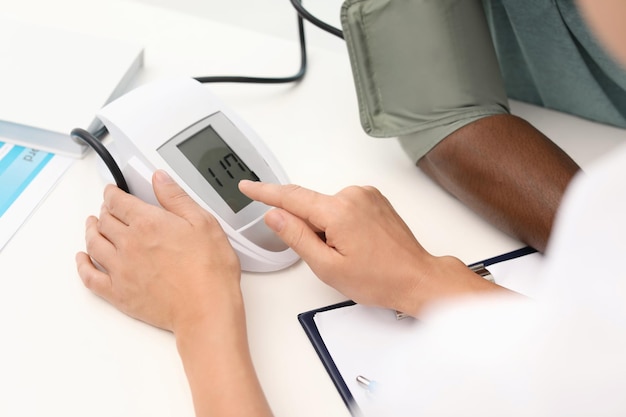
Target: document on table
{"x": 26, "y": 177}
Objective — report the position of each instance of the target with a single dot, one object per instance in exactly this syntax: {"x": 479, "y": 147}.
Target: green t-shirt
{"x": 547, "y": 56}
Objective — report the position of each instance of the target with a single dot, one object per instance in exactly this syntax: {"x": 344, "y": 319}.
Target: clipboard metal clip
{"x": 400, "y": 315}
{"x": 482, "y": 271}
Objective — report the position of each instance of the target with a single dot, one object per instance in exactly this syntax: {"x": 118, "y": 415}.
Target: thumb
{"x": 171, "y": 196}
{"x": 300, "y": 237}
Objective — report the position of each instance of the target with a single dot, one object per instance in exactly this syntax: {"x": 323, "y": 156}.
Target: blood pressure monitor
{"x": 179, "y": 126}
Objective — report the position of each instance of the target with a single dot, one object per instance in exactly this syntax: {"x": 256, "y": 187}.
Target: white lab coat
{"x": 563, "y": 353}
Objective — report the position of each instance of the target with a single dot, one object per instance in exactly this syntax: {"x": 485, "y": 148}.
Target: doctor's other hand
{"x": 168, "y": 266}
{"x": 357, "y": 243}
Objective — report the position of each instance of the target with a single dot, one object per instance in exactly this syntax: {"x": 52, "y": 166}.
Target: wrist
{"x": 213, "y": 339}
{"x": 218, "y": 313}
{"x": 443, "y": 278}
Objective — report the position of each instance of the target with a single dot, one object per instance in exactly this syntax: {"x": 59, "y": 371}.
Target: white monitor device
{"x": 179, "y": 126}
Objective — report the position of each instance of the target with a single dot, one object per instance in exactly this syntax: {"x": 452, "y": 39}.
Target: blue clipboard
{"x": 307, "y": 320}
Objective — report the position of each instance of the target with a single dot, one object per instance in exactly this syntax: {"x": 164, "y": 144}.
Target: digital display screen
{"x": 219, "y": 165}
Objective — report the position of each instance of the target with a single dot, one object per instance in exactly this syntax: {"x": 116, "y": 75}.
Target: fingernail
{"x": 275, "y": 220}
{"x": 162, "y": 176}
{"x": 244, "y": 183}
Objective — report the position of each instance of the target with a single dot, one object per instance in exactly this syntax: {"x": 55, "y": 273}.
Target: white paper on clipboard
{"x": 361, "y": 339}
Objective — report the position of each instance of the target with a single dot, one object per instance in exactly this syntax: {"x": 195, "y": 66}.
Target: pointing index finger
{"x": 297, "y": 200}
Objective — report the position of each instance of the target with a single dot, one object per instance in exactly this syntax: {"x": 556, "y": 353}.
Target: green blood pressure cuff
{"x": 422, "y": 68}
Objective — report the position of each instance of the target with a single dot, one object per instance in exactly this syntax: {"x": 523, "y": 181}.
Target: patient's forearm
{"x": 507, "y": 171}
{"x": 217, "y": 361}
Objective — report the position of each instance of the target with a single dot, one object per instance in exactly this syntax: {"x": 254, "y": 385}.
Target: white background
{"x": 273, "y": 17}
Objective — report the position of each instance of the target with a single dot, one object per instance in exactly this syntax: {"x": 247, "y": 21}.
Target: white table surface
{"x": 65, "y": 352}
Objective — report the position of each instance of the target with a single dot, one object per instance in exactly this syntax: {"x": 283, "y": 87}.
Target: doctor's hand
{"x": 357, "y": 243}
{"x": 168, "y": 266}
